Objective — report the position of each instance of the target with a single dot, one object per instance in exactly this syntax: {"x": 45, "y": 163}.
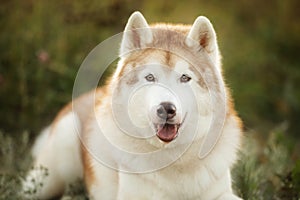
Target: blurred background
{"x": 43, "y": 43}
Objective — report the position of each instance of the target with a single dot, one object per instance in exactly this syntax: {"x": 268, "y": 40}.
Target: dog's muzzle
{"x": 167, "y": 130}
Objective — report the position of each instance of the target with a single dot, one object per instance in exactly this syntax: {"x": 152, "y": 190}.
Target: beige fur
{"x": 196, "y": 174}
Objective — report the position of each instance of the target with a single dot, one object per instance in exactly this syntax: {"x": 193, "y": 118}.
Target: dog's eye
{"x": 185, "y": 78}
{"x": 150, "y": 78}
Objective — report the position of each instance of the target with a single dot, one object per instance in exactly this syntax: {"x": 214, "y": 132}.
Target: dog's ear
{"x": 203, "y": 35}
{"x": 137, "y": 33}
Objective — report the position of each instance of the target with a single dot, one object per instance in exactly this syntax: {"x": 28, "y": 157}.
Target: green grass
{"x": 268, "y": 171}
{"x": 259, "y": 41}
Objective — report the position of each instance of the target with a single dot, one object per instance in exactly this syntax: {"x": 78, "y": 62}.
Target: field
{"x": 43, "y": 43}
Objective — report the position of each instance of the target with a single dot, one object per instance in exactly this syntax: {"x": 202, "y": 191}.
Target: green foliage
{"x": 43, "y": 43}
{"x": 9, "y": 184}
{"x": 14, "y": 161}
{"x": 296, "y": 176}
{"x": 268, "y": 172}
{"x": 263, "y": 172}
{"x": 75, "y": 191}
{"x": 41, "y": 50}
{"x": 265, "y": 72}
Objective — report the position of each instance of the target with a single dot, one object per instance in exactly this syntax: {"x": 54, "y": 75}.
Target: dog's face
{"x": 159, "y": 100}
{"x": 162, "y": 98}
{"x": 159, "y": 81}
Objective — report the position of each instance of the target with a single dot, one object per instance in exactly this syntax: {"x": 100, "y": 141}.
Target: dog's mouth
{"x": 167, "y": 132}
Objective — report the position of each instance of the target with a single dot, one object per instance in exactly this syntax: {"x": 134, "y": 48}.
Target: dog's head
{"x": 166, "y": 78}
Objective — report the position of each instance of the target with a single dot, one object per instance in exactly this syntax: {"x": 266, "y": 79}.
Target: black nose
{"x": 166, "y": 110}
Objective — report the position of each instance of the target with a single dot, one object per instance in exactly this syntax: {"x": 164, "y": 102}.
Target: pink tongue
{"x": 167, "y": 132}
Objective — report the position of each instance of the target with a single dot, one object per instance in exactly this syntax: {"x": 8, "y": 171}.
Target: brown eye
{"x": 150, "y": 78}
{"x": 185, "y": 78}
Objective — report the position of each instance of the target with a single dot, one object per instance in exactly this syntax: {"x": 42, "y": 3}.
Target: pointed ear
{"x": 203, "y": 34}
{"x": 137, "y": 33}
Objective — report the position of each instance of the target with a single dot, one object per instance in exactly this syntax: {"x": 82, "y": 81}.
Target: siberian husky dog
{"x": 163, "y": 127}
